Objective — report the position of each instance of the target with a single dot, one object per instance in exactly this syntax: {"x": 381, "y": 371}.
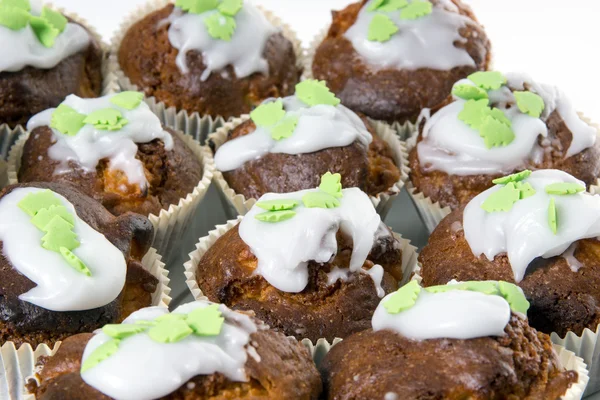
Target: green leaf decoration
{"x": 231, "y": 7}
{"x": 20, "y": 4}
{"x": 56, "y": 19}
{"x": 488, "y": 80}
{"x": 530, "y": 103}
{"x": 469, "y": 92}
{"x": 514, "y": 296}
{"x": 122, "y": 331}
{"x": 499, "y": 115}
{"x": 106, "y": 119}
{"x": 519, "y": 176}
{"x": 564, "y": 188}
{"x": 170, "y": 317}
{"x": 197, "y": 6}
{"x": 145, "y": 323}
{"x": 220, "y": 26}
{"x": 34, "y": 202}
{"x": 128, "y": 100}
{"x": 13, "y": 18}
{"x": 445, "y": 288}
{"x": 552, "y": 216}
{"x": 66, "y": 120}
{"x": 206, "y": 321}
{"x": 275, "y": 216}
{"x": 403, "y": 299}
{"x": 314, "y": 92}
{"x": 525, "y": 190}
{"x": 59, "y": 234}
{"x": 320, "y": 200}
{"x": 44, "y": 30}
{"x": 284, "y": 128}
{"x": 502, "y": 199}
{"x": 74, "y": 261}
{"x": 485, "y": 287}
{"x": 100, "y": 354}
{"x": 474, "y": 112}
{"x": 268, "y": 114}
{"x": 387, "y": 5}
{"x": 381, "y": 28}
{"x": 277, "y": 205}
{"x": 45, "y": 215}
{"x": 170, "y": 331}
{"x": 416, "y": 9}
{"x": 331, "y": 184}
{"x": 495, "y": 133}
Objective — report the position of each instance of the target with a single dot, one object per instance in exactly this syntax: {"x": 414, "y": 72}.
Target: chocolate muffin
{"x": 500, "y": 125}
{"x": 387, "y": 61}
{"x": 45, "y": 57}
{"x": 135, "y": 164}
{"x": 271, "y": 365}
{"x": 347, "y": 257}
{"x": 558, "y": 272}
{"x": 182, "y": 57}
{"x": 258, "y": 158}
{"x": 42, "y": 299}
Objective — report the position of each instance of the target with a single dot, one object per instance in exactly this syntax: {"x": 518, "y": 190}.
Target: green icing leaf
{"x": 231, "y": 7}
{"x": 564, "y": 188}
{"x": 284, "y": 128}
{"x": 416, "y": 9}
{"x": 197, "y": 6}
{"x": 122, "y": 331}
{"x": 220, "y": 26}
{"x": 128, "y": 100}
{"x": 45, "y": 215}
{"x": 314, "y": 92}
{"x": 502, "y": 199}
{"x": 403, "y": 299}
{"x": 519, "y": 176}
{"x": 331, "y": 184}
{"x": 268, "y": 114}
{"x": 21, "y": 4}
{"x": 552, "y": 216}
{"x": 75, "y": 261}
{"x": 485, "y": 287}
{"x": 277, "y": 205}
{"x": 100, "y": 354}
{"x": 66, "y": 120}
{"x": 444, "y": 288}
{"x": 530, "y": 103}
{"x": 514, "y": 296}
{"x": 206, "y": 321}
{"x": 13, "y": 18}
{"x": 170, "y": 331}
{"x": 106, "y": 119}
{"x": 469, "y": 92}
{"x": 56, "y": 19}
{"x": 381, "y": 28}
{"x": 387, "y": 5}
{"x": 44, "y": 30}
{"x": 499, "y": 115}
{"x": 59, "y": 234}
{"x": 474, "y": 112}
{"x": 275, "y": 216}
{"x": 320, "y": 200}
{"x": 495, "y": 133}
{"x": 376, "y": 4}
{"x": 525, "y": 190}
{"x": 34, "y": 202}
{"x": 488, "y": 80}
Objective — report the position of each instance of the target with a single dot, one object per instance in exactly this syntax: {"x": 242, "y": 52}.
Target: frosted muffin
{"x": 199, "y": 351}
{"x": 389, "y": 59}
{"x": 44, "y": 56}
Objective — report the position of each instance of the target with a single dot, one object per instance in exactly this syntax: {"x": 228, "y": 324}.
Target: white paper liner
{"x": 3, "y": 174}
{"x": 194, "y": 124}
{"x": 170, "y": 224}
{"x": 237, "y": 204}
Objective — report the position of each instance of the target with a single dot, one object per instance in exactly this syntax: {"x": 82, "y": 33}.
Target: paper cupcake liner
{"x": 3, "y": 174}
{"x": 192, "y": 123}
{"x": 431, "y": 213}
{"x": 237, "y": 204}
{"x": 170, "y": 224}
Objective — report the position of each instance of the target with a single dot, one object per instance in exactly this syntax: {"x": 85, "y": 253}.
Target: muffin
{"x": 199, "y": 351}
{"x": 115, "y": 150}
{"x": 45, "y": 57}
{"x": 67, "y": 265}
{"x": 458, "y": 341}
{"x": 390, "y": 59}
{"x": 500, "y": 124}
{"x": 219, "y": 58}
{"x": 347, "y": 257}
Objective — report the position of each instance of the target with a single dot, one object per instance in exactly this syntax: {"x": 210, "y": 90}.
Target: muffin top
{"x": 36, "y": 36}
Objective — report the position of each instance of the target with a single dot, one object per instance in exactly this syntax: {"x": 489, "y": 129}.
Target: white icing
{"x": 59, "y": 286}
{"x": 319, "y": 127}
{"x": 451, "y": 146}
{"x": 143, "y": 369}
{"x": 455, "y": 314}
{"x": 376, "y": 274}
{"x": 283, "y": 249}
{"x": 569, "y": 256}
{"x": 427, "y": 42}
{"x": 244, "y": 51}
{"x": 337, "y": 274}
{"x": 90, "y": 145}
{"x": 523, "y": 233}
{"x": 390, "y": 396}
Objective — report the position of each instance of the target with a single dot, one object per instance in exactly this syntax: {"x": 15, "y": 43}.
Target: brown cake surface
{"x": 171, "y": 175}
{"x": 148, "y": 59}
{"x": 391, "y": 94}
{"x": 285, "y": 371}
{"x": 226, "y": 275}
{"x": 31, "y": 90}
{"x": 23, "y": 322}
{"x": 371, "y": 169}
{"x": 561, "y": 300}
{"x": 519, "y": 365}
{"x": 454, "y": 191}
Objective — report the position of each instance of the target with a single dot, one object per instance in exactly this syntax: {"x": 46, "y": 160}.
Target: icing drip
{"x": 569, "y": 256}
{"x": 376, "y": 274}
{"x": 143, "y": 369}
{"x": 60, "y": 287}
{"x": 90, "y": 145}
{"x": 244, "y": 51}
{"x": 451, "y": 146}
{"x": 455, "y": 314}
{"x": 336, "y": 274}
{"x": 523, "y": 233}
{"x": 426, "y": 42}
{"x": 319, "y": 127}
{"x": 283, "y": 263}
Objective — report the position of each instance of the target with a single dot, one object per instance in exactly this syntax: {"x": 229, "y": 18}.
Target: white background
{"x": 556, "y": 41}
